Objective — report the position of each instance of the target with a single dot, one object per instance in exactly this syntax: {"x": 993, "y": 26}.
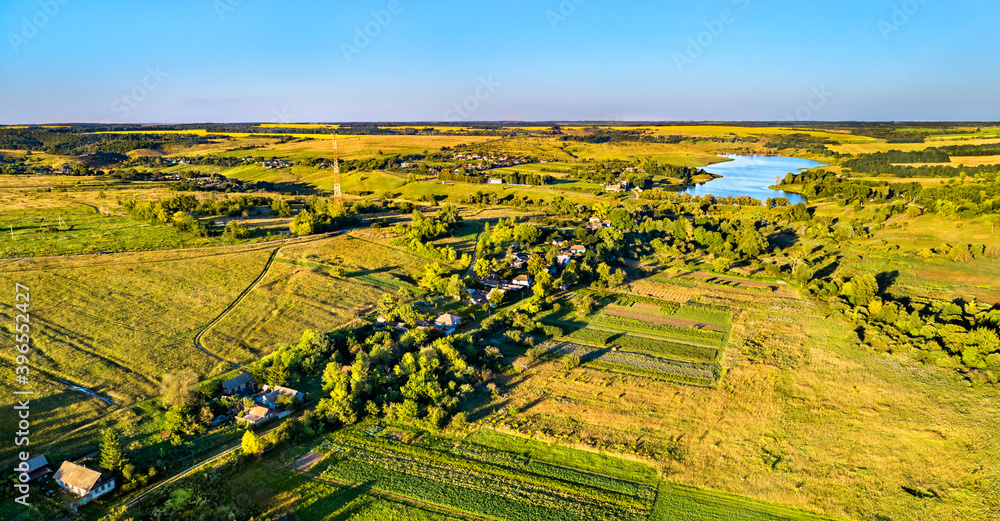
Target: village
{"x": 249, "y": 405}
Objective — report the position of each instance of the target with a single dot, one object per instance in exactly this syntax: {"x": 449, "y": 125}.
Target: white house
{"x": 523, "y": 280}
{"x": 87, "y": 484}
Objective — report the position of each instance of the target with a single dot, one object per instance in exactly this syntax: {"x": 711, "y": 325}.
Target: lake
{"x": 752, "y": 175}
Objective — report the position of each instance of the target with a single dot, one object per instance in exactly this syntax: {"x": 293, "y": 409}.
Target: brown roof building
{"x": 85, "y": 483}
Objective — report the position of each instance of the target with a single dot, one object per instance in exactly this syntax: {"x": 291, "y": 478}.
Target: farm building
{"x": 87, "y": 484}
{"x": 239, "y": 384}
{"x": 38, "y": 467}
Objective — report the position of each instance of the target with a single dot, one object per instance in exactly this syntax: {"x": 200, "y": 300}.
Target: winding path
{"x": 232, "y": 305}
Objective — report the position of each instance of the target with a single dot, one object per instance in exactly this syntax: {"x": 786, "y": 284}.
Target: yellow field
{"x": 958, "y": 161}
{"x": 882, "y": 146}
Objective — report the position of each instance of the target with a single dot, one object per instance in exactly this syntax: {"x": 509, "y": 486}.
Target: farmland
{"x": 709, "y": 381}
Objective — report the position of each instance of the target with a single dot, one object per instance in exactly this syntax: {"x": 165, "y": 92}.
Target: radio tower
{"x": 336, "y": 172}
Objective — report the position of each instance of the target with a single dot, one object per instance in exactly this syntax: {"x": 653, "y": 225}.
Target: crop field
{"x": 485, "y": 481}
{"x": 783, "y": 429}
{"x": 278, "y": 492}
{"x": 635, "y": 363}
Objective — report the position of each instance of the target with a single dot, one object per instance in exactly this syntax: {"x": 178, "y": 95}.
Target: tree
{"x": 527, "y": 234}
{"x": 584, "y": 305}
{"x": 543, "y": 285}
{"x": 482, "y": 268}
{"x": 251, "y": 444}
{"x": 751, "y": 242}
{"x": 179, "y": 389}
{"x": 303, "y": 224}
{"x": 281, "y": 207}
{"x": 112, "y": 456}
{"x": 456, "y": 286}
{"x": 722, "y": 264}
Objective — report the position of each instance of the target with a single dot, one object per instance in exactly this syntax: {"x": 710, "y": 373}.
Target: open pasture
{"x": 300, "y": 291}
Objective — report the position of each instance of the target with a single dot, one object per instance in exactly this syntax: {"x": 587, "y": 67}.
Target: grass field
{"x": 823, "y": 426}
{"x": 300, "y": 293}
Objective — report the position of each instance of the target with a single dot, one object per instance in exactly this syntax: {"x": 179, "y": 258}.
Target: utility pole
{"x": 337, "y": 196}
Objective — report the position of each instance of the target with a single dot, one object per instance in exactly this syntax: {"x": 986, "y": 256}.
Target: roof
{"x": 448, "y": 320}
{"x": 256, "y": 414}
{"x": 236, "y": 382}
{"x": 578, "y": 247}
{"x": 276, "y": 391}
{"x": 36, "y": 463}
{"x": 523, "y": 278}
{"x": 77, "y": 476}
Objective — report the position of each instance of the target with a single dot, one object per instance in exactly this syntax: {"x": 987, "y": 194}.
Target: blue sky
{"x": 302, "y": 61}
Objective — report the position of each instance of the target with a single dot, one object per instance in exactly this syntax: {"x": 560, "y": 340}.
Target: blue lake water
{"x": 752, "y": 175}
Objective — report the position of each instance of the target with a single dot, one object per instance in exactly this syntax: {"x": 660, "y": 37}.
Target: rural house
{"x": 269, "y": 398}
{"x": 238, "y": 385}
{"x": 448, "y": 323}
{"x": 87, "y": 484}
{"x": 522, "y": 280}
{"x": 257, "y": 415}
{"x": 38, "y": 467}
{"x": 579, "y": 249}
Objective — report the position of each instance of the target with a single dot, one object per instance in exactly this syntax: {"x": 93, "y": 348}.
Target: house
{"x": 269, "y": 398}
{"x": 563, "y": 258}
{"x": 238, "y": 385}
{"x": 491, "y": 283}
{"x": 38, "y": 467}
{"x": 448, "y": 323}
{"x": 257, "y": 415}
{"x": 558, "y": 241}
{"x": 617, "y": 187}
{"x": 478, "y": 298}
{"x": 578, "y": 249}
{"x": 87, "y": 484}
{"x": 519, "y": 260}
{"x": 522, "y": 280}
{"x": 595, "y": 220}
{"x": 495, "y": 181}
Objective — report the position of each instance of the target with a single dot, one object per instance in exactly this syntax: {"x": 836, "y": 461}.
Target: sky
{"x": 177, "y": 61}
